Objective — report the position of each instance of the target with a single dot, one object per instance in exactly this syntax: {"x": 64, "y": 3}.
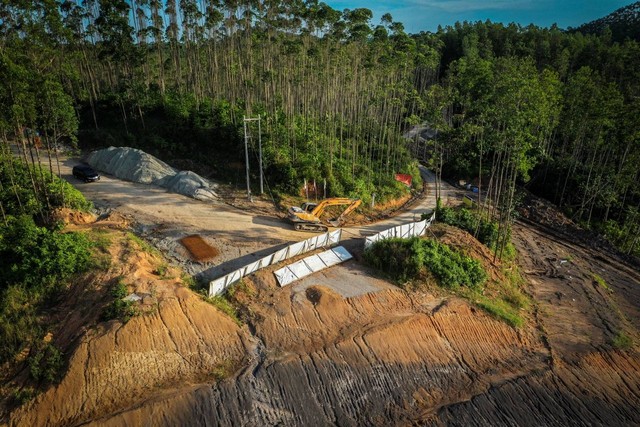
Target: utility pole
{"x": 246, "y": 150}
{"x": 260, "y": 154}
{"x": 246, "y": 156}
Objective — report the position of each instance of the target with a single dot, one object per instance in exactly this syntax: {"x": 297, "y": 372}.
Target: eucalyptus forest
{"x": 556, "y": 112}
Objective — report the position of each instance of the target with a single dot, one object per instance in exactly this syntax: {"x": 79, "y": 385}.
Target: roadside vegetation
{"x": 406, "y": 259}
{"x": 39, "y": 262}
{"x": 37, "y": 259}
{"x": 417, "y": 263}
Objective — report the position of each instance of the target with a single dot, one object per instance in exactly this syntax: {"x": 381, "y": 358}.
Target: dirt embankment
{"x": 175, "y": 341}
{"x": 308, "y": 356}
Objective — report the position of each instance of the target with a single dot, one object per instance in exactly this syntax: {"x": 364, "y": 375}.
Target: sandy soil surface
{"x": 241, "y": 231}
{"x": 331, "y": 351}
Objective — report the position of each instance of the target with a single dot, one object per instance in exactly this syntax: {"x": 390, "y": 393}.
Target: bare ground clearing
{"x": 322, "y": 352}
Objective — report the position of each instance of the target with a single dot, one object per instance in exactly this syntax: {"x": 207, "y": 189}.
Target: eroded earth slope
{"x": 308, "y": 356}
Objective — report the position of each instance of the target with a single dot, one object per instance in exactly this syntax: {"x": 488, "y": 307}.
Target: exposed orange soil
{"x": 176, "y": 341}
{"x": 308, "y": 356}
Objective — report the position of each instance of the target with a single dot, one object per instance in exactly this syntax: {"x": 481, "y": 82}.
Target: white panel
{"x": 314, "y": 263}
{"x": 234, "y": 276}
{"x": 280, "y": 255}
{"x": 334, "y": 237}
{"x": 309, "y": 265}
{"x": 285, "y": 276}
{"x": 295, "y": 249}
{"x": 300, "y": 269}
{"x": 266, "y": 261}
{"x": 329, "y": 258}
{"x": 254, "y": 266}
{"x": 342, "y": 253}
{"x": 217, "y": 286}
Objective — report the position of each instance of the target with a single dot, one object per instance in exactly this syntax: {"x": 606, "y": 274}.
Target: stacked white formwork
{"x": 218, "y": 286}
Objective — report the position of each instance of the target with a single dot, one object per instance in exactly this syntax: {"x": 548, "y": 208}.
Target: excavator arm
{"x": 310, "y": 221}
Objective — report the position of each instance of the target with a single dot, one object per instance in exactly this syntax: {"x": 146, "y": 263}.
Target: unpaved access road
{"x": 241, "y": 235}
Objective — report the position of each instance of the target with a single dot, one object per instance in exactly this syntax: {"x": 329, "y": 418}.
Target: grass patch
{"x": 119, "y": 308}
{"x": 142, "y": 244}
{"x": 500, "y": 309}
{"x": 162, "y": 270}
{"x": 224, "y": 305}
{"x": 224, "y": 369}
{"x": 101, "y": 239}
{"x": 622, "y": 341}
{"x": 189, "y": 281}
{"x": 600, "y": 281}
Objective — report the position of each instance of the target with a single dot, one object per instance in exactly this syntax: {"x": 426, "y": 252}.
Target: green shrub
{"x": 38, "y": 258}
{"x": 485, "y": 231}
{"x": 24, "y": 395}
{"x": 404, "y": 259}
{"x": 119, "y": 308}
{"x": 17, "y": 194}
{"x": 46, "y": 364}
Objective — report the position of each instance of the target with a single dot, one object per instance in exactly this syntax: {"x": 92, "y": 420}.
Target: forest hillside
{"x": 551, "y": 110}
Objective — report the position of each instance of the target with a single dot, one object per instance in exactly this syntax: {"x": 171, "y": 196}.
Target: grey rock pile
{"x": 135, "y": 165}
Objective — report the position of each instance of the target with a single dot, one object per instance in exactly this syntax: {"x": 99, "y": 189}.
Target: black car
{"x": 85, "y": 173}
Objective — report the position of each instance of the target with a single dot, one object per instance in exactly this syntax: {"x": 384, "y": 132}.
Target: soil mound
{"x": 70, "y": 216}
{"x": 191, "y": 184}
{"x": 132, "y": 164}
{"x": 135, "y": 165}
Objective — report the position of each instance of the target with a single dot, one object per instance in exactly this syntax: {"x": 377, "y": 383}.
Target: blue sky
{"x": 425, "y": 15}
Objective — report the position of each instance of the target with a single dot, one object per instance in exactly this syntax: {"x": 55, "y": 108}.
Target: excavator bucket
{"x": 336, "y": 222}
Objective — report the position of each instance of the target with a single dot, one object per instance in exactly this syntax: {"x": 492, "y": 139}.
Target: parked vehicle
{"x": 85, "y": 173}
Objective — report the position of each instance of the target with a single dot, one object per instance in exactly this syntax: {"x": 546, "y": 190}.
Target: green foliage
{"x": 485, "y": 231}
{"x": 23, "y": 395}
{"x": 46, "y": 364}
{"x": 622, "y": 341}
{"x": 224, "y": 305}
{"x": 601, "y": 282}
{"x": 17, "y": 194}
{"x": 40, "y": 259}
{"x": 224, "y": 369}
{"x": 119, "y": 308}
{"x": 405, "y": 259}
{"x": 143, "y": 245}
{"x": 500, "y": 309}
{"x": 161, "y": 270}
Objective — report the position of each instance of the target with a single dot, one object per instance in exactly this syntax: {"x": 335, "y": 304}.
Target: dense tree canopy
{"x": 552, "y": 110}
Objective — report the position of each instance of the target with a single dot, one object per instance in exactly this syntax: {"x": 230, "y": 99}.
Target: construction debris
{"x": 198, "y": 248}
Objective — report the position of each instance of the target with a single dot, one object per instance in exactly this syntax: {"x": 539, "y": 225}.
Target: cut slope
{"x": 176, "y": 340}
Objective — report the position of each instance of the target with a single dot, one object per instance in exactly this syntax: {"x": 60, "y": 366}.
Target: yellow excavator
{"x": 307, "y": 216}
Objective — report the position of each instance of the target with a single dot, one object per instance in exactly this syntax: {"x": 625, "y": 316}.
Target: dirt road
{"x": 241, "y": 236}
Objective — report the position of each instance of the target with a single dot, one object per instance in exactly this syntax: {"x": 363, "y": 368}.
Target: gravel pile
{"x": 135, "y": 165}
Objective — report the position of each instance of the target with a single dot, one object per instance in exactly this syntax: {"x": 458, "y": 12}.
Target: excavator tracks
{"x": 313, "y": 228}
